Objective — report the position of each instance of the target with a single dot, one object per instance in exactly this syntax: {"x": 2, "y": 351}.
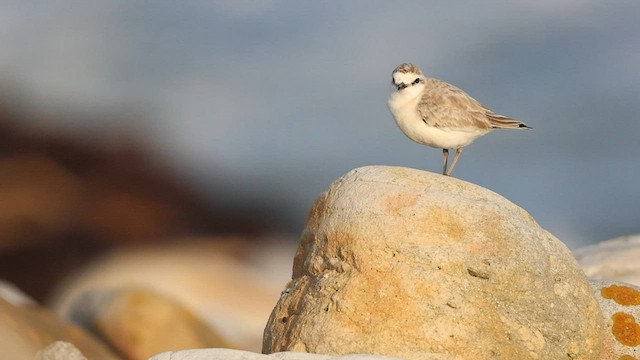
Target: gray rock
{"x": 407, "y": 263}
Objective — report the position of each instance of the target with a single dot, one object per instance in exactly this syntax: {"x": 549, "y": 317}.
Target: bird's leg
{"x": 455, "y": 160}
{"x": 445, "y": 152}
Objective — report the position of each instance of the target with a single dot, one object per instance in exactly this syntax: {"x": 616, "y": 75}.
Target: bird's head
{"x": 407, "y": 75}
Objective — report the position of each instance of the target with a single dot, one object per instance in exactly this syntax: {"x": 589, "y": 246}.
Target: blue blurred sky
{"x": 273, "y": 100}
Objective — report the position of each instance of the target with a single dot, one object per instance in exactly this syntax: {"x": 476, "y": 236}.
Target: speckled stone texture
{"x": 407, "y": 263}
{"x": 620, "y": 304}
{"x": 228, "y": 354}
{"x": 60, "y": 350}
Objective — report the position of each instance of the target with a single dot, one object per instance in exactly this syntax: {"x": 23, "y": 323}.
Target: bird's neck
{"x": 401, "y": 98}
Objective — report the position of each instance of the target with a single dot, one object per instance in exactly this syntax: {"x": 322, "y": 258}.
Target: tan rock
{"x": 140, "y": 323}
{"x": 615, "y": 259}
{"x": 231, "y": 282}
{"x": 620, "y": 304}
{"x": 26, "y": 328}
{"x": 407, "y": 263}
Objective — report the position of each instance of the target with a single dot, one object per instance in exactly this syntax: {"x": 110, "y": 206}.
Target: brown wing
{"x": 444, "y": 105}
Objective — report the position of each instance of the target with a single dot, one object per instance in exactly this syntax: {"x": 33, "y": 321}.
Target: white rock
{"x": 620, "y": 304}
{"x": 227, "y": 354}
{"x": 616, "y": 259}
{"x": 60, "y": 350}
{"x": 14, "y": 296}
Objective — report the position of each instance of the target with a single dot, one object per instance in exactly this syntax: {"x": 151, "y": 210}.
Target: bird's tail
{"x": 503, "y": 122}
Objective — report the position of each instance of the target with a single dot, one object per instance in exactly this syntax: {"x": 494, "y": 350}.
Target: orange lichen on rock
{"x": 626, "y": 329}
{"x": 623, "y": 295}
{"x": 627, "y": 357}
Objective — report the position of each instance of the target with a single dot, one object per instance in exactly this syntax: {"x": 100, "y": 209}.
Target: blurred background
{"x": 135, "y": 121}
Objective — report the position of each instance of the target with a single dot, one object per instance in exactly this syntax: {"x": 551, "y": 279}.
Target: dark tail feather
{"x": 503, "y": 122}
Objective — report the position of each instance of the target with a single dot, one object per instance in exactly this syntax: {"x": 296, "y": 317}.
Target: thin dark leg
{"x": 455, "y": 160}
{"x": 445, "y": 153}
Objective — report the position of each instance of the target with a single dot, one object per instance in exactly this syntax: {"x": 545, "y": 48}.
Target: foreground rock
{"x": 60, "y": 350}
{"x": 407, "y": 263}
{"x": 620, "y": 304}
{"x": 226, "y": 354}
{"x": 27, "y": 329}
{"x": 615, "y": 259}
{"x": 231, "y": 283}
{"x": 140, "y": 323}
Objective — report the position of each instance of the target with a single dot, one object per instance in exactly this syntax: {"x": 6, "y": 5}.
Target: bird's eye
{"x": 417, "y": 80}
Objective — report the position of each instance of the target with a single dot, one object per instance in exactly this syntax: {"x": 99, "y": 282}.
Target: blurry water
{"x": 267, "y": 102}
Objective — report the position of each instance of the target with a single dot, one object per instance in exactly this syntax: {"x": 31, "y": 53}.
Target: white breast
{"x": 403, "y": 107}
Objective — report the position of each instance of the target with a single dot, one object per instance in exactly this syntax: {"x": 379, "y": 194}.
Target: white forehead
{"x": 407, "y": 78}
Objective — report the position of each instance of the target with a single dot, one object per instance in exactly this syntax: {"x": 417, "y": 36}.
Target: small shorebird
{"x": 437, "y": 114}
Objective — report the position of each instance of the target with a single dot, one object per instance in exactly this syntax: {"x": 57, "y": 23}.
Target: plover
{"x": 437, "y": 114}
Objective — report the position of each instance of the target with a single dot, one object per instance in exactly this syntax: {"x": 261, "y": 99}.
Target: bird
{"x": 437, "y": 114}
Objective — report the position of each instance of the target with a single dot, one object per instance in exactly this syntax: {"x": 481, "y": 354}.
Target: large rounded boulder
{"x": 406, "y": 263}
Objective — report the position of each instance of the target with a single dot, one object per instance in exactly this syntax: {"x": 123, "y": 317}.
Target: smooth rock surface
{"x": 230, "y": 282}
{"x": 620, "y": 304}
{"x": 615, "y": 259}
{"x": 14, "y": 296}
{"x": 407, "y": 263}
{"x": 227, "y": 354}
{"x": 140, "y": 323}
{"x": 27, "y": 328}
{"x": 60, "y": 350}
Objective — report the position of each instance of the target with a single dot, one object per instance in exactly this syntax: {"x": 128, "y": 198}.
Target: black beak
{"x": 401, "y": 86}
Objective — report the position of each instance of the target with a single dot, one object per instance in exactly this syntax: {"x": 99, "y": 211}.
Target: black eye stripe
{"x": 417, "y": 80}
